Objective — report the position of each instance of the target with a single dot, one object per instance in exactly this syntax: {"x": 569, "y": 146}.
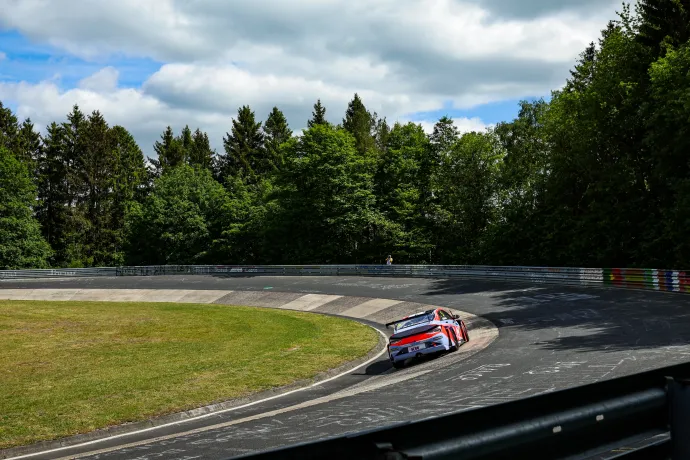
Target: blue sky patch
{"x": 491, "y": 113}
{"x": 33, "y": 63}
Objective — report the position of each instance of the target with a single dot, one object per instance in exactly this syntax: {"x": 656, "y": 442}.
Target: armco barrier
{"x": 58, "y": 273}
{"x": 641, "y": 416}
{"x": 638, "y": 278}
{"x": 666, "y": 280}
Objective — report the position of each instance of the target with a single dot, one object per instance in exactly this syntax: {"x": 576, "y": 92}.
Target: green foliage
{"x": 361, "y": 124}
{"x": 466, "y": 185}
{"x": 200, "y": 154}
{"x": 53, "y": 191}
{"x": 247, "y": 214}
{"x": 170, "y": 152}
{"x": 514, "y": 238}
{"x": 399, "y": 186}
{"x": 276, "y": 132}
{"x": 664, "y": 22}
{"x": 327, "y": 197}
{"x": 179, "y": 222}
{"x": 244, "y": 148}
{"x": 20, "y": 139}
{"x": 669, "y": 138}
{"x": 129, "y": 179}
{"x": 87, "y": 173}
{"x": 21, "y": 242}
{"x": 189, "y": 148}
{"x": 318, "y": 116}
{"x": 9, "y": 129}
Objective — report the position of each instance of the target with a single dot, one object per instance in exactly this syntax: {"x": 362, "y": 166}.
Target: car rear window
{"x": 414, "y": 321}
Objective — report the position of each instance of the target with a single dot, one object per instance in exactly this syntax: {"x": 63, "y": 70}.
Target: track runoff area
{"x": 524, "y": 340}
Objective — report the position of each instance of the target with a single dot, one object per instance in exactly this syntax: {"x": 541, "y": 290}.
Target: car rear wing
{"x": 408, "y": 318}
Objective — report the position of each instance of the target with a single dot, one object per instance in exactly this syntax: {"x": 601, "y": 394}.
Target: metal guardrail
{"x": 638, "y": 278}
{"x": 642, "y": 416}
{"x": 57, "y": 273}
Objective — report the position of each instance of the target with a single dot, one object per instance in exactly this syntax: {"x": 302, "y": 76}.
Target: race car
{"x": 425, "y": 333}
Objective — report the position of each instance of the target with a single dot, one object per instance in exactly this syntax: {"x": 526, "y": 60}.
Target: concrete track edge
{"x": 368, "y": 311}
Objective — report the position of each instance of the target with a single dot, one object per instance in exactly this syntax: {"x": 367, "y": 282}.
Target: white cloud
{"x": 105, "y": 80}
{"x": 224, "y": 88}
{"x": 206, "y": 97}
{"x": 144, "y": 116}
{"x": 401, "y": 56}
{"x": 2, "y": 56}
{"x": 203, "y": 96}
{"x": 187, "y": 31}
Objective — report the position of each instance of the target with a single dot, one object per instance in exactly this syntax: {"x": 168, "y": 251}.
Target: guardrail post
{"x": 679, "y": 417}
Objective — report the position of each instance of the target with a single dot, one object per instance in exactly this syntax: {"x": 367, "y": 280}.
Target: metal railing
{"x": 638, "y": 278}
{"x": 57, "y": 273}
{"x": 645, "y": 416}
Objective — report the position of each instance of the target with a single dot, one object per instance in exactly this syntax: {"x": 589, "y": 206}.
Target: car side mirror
{"x": 456, "y": 316}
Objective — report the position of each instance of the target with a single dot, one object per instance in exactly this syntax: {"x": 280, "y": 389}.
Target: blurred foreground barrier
{"x": 642, "y": 416}
{"x": 639, "y": 278}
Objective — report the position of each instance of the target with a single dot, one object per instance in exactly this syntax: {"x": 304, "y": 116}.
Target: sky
{"x": 147, "y": 64}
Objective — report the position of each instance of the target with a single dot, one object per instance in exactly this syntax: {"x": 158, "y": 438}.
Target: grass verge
{"x": 72, "y": 367}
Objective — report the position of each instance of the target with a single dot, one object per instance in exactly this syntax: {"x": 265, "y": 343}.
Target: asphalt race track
{"x": 551, "y": 337}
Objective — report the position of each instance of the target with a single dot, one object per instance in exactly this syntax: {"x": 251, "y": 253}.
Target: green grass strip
{"x": 72, "y": 367}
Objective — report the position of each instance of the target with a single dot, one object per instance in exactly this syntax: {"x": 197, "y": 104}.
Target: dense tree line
{"x": 597, "y": 176}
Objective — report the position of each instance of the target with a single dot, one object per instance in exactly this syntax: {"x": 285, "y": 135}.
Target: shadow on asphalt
{"x": 379, "y": 367}
{"x": 601, "y": 319}
{"x": 384, "y": 365}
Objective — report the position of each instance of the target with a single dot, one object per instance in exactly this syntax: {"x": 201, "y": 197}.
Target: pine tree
{"x": 441, "y": 143}
{"x": 129, "y": 180}
{"x": 244, "y": 147}
{"x": 9, "y": 129}
{"x": 186, "y": 141}
{"x": 96, "y": 166}
{"x": 20, "y": 139}
{"x": 444, "y": 136}
{"x": 170, "y": 151}
{"x": 382, "y": 134}
{"x": 360, "y": 123}
{"x": 276, "y": 132}
{"x": 52, "y": 210}
{"x": 76, "y": 225}
{"x": 318, "y": 116}
{"x": 201, "y": 154}
{"x": 583, "y": 73}
{"x": 664, "y": 21}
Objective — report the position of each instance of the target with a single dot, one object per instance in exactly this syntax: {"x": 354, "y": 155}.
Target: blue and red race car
{"x": 425, "y": 333}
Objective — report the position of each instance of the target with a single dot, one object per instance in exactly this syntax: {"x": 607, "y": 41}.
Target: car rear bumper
{"x": 429, "y": 349}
